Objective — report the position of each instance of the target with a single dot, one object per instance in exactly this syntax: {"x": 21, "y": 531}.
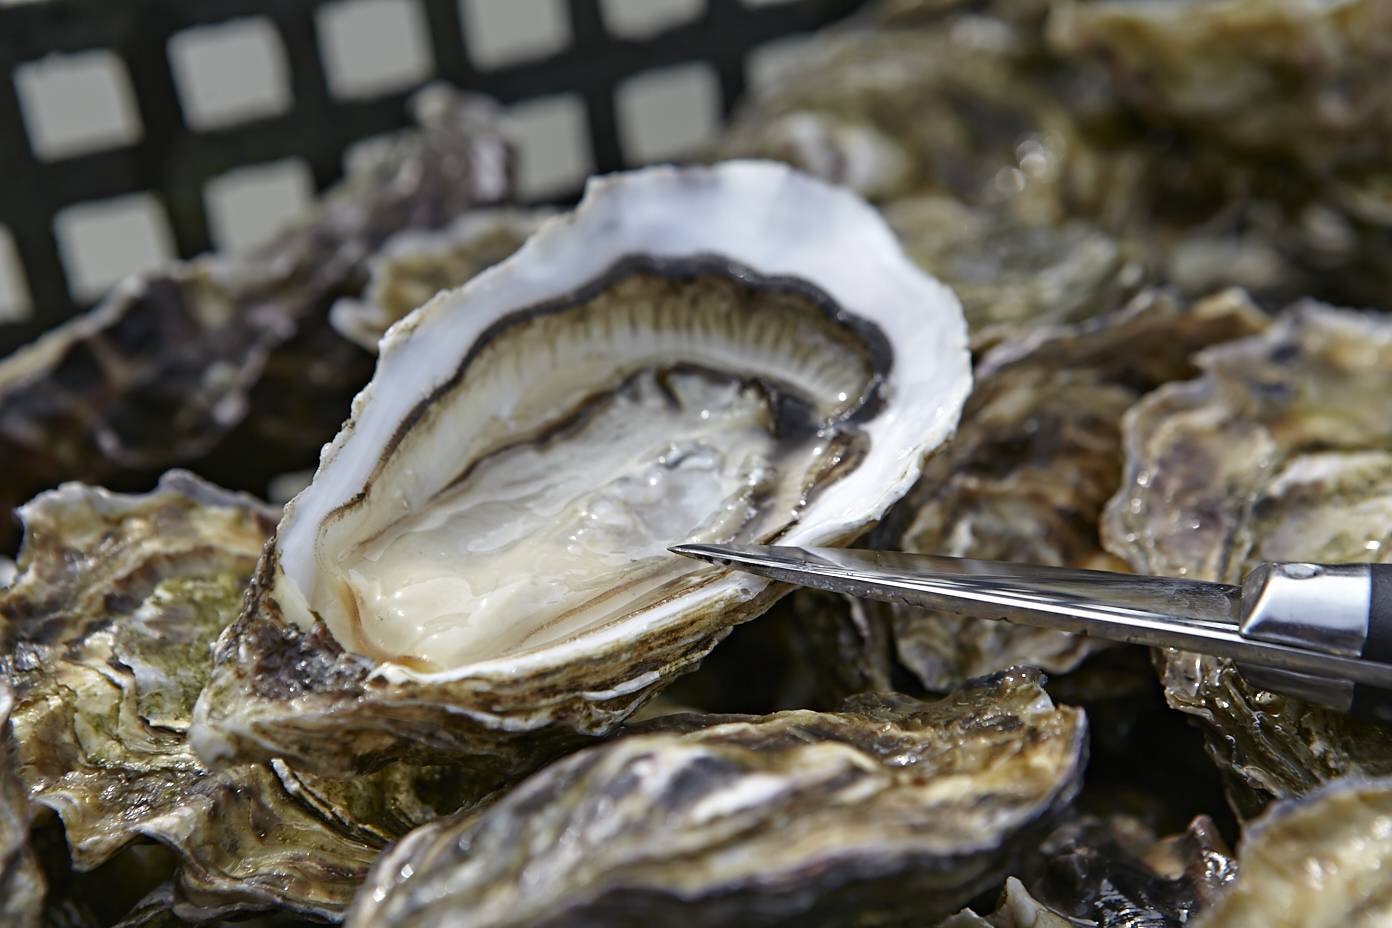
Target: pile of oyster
{"x": 1054, "y": 281}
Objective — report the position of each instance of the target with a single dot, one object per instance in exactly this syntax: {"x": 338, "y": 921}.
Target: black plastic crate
{"x": 173, "y": 161}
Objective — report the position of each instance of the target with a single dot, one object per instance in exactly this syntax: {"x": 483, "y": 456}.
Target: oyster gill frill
{"x": 480, "y": 566}
{"x": 21, "y": 882}
{"x": 889, "y": 812}
{"x": 111, "y": 622}
{"x": 1035, "y": 459}
{"x": 1322, "y": 861}
{"x": 416, "y": 264}
{"x": 1281, "y": 451}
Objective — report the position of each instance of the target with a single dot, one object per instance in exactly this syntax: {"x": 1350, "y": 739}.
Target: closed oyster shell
{"x": 229, "y": 364}
{"x": 416, "y": 264}
{"x": 1281, "y": 451}
{"x": 889, "y": 812}
{"x": 1307, "y": 80}
{"x": 1013, "y": 272}
{"x": 478, "y": 571}
{"x": 1034, "y": 461}
{"x": 1322, "y": 861}
{"x": 110, "y": 626}
{"x": 21, "y": 881}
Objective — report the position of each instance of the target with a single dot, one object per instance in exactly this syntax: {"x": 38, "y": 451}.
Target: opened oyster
{"x": 1036, "y": 458}
{"x": 235, "y": 355}
{"x": 889, "y": 812}
{"x": 1323, "y": 861}
{"x": 110, "y": 624}
{"x": 415, "y": 265}
{"x": 1282, "y": 451}
{"x": 479, "y": 567}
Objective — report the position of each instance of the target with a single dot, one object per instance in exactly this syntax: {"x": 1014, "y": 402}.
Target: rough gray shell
{"x": 230, "y": 364}
{"x": 889, "y": 812}
{"x": 110, "y": 625}
{"x": 1281, "y": 451}
{"x": 1036, "y": 457}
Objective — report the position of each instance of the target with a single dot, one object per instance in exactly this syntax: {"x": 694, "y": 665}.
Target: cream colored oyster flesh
{"x": 729, "y": 353}
{"x": 1281, "y": 451}
{"x": 889, "y": 812}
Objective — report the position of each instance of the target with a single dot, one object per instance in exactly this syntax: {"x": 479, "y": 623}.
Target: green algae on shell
{"x": 108, "y": 629}
{"x": 889, "y": 812}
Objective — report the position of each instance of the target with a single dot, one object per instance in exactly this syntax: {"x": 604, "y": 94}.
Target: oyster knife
{"x": 1318, "y": 632}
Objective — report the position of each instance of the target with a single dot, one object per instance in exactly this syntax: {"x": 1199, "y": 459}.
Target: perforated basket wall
{"x": 156, "y": 154}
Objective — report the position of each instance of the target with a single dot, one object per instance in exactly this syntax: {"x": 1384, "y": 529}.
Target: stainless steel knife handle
{"x": 1339, "y": 609}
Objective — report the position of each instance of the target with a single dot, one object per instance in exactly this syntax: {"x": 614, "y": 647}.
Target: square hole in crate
{"x": 372, "y": 47}
{"x": 553, "y": 146}
{"x": 247, "y": 206}
{"x": 77, "y": 103}
{"x": 668, "y": 113}
{"x": 643, "y": 19}
{"x": 15, "y": 305}
{"x": 229, "y": 73}
{"x": 103, "y": 241}
{"x": 765, "y": 65}
{"x": 516, "y": 30}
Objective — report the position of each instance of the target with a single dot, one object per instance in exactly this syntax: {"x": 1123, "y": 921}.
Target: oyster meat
{"x": 229, "y": 364}
{"x": 1322, "y": 861}
{"x": 109, "y": 630}
{"x": 416, "y": 264}
{"x": 479, "y": 566}
{"x": 889, "y": 812}
{"x": 1037, "y": 456}
{"x": 1281, "y": 451}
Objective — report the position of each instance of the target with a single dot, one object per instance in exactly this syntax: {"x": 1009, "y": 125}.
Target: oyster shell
{"x": 415, "y": 265}
{"x": 1034, "y": 461}
{"x": 21, "y": 881}
{"x": 951, "y": 108}
{"x": 1017, "y": 909}
{"x": 1322, "y": 860}
{"x": 1307, "y": 80}
{"x": 710, "y": 352}
{"x": 1012, "y": 272}
{"x": 168, "y": 368}
{"x": 1281, "y": 451}
{"x": 110, "y": 626}
{"x": 889, "y": 812}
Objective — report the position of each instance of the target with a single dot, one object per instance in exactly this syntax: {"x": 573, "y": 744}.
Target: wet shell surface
{"x": 21, "y": 881}
{"x": 108, "y": 630}
{"x": 1322, "y": 861}
{"x": 416, "y": 264}
{"x": 1281, "y": 451}
{"x": 1035, "y": 459}
{"x": 889, "y": 812}
{"x": 479, "y": 565}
